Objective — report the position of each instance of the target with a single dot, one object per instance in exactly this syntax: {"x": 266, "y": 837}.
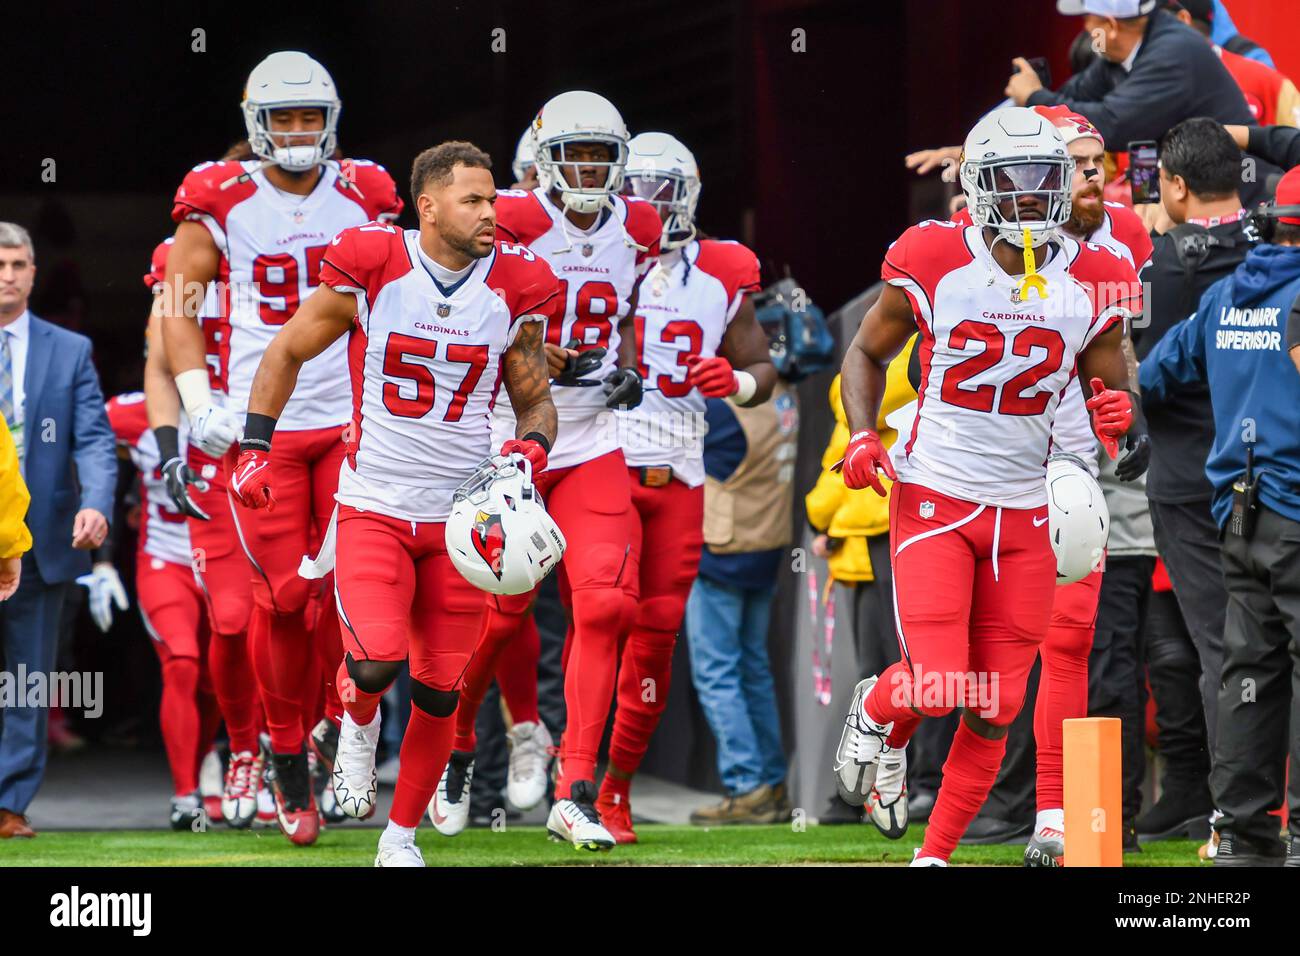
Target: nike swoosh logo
{"x": 438, "y": 816}
{"x": 1039, "y": 524}
{"x": 290, "y": 830}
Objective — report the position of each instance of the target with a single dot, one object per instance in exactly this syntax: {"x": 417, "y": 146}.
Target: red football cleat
{"x": 295, "y": 805}
{"x": 616, "y": 817}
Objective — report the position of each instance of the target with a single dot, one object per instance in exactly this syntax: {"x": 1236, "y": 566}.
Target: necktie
{"x": 7, "y": 391}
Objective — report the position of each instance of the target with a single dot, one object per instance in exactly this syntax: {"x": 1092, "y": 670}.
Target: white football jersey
{"x": 993, "y": 364}
{"x": 425, "y": 364}
{"x": 682, "y": 311}
{"x": 163, "y": 532}
{"x": 597, "y": 271}
{"x": 271, "y": 247}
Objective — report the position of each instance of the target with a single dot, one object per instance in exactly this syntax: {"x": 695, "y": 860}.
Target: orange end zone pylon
{"x": 1094, "y": 814}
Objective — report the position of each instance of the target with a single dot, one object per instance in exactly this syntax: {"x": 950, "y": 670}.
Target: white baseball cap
{"x": 1119, "y": 9}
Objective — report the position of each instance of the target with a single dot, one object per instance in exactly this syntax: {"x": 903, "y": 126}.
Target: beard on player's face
{"x": 468, "y": 241}
{"x": 1086, "y": 211}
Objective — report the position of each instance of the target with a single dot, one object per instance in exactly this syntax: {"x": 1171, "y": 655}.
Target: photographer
{"x": 1234, "y": 343}
{"x": 1200, "y": 168}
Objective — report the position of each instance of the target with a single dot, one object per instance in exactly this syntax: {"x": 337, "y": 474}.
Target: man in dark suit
{"x": 1151, "y": 73}
{"x": 51, "y": 400}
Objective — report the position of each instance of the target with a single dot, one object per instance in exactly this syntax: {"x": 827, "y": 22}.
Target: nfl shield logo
{"x": 297, "y": 216}
{"x": 587, "y": 250}
{"x": 927, "y": 509}
{"x": 444, "y": 310}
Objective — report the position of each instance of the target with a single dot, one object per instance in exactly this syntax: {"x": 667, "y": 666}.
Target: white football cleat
{"x": 530, "y": 745}
{"x": 398, "y": 853}
{"x": 575, "y": 820}
{"x": 240, "y": 789}
{"x": 918, "y": 860}
{"x": 353, "y": 777}
{"x": 860, "y": 746}
{"x": 887, "y": 805}
{"x": 449, "y": 808}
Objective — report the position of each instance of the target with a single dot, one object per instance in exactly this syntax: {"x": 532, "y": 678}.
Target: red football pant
{"x": 171, "y": 606}
{"x": 1063, "y": 683}
{"x": 221, "y": 569}
{"x": 508, "y": 647}
{"x": 973, "y": 592}
{"x": 304, "y": 477}
{"x": 668, "y": 537}
{"x": 593, "y": 507}
{"x": 399, "y": 597}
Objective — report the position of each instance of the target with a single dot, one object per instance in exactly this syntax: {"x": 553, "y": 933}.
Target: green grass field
{"x": 521, "y": 846}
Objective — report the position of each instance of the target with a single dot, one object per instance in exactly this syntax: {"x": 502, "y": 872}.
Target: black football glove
{"x": 177, "y": 477}
{"x": 584, "y": 363}
{"x": 1137, "y": 447}
{"x": 623, "y": 389}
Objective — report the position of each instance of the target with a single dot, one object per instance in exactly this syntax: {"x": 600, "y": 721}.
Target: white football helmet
{"x": 523, "y": 155}
{"x": 1077, "y": 517}
{"x": 661, "y": 170}
{"x": 498, "y": 534}
{"x": 1010, "y": 153}
{"x": 579, "y": 117}
{"x": 290, "y": 79}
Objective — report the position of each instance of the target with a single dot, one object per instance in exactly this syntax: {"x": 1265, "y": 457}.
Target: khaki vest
{"x": 752, "y": 510}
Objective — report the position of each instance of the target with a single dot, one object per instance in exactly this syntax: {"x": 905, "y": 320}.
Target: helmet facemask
{"x": 551, "y": 158}
{"x": 301, "y": 156}
{"x": 994, "y": 188}
{"x": 674, "y": 196}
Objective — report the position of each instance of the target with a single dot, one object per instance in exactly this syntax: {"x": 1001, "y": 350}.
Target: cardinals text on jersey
{"x": 425, "y": 364}
{"x": 994, "y": 364}
{"x": 163, "y": 531}
{"x": 682, "y": 312}
{"x": 271, "y": 245}
{"x": 597, "y": 271}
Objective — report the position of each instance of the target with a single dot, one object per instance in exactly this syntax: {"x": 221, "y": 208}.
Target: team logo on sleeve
{"x": 927, "y": 509}
{"x": 489, "y": 540}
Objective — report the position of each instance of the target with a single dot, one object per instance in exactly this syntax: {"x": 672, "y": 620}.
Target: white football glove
{"x": 105, "y": 587}
{"x": 214, "y": 429}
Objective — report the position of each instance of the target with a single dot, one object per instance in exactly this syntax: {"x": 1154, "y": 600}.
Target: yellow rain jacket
{"x": 853, "y": 515}
{"x": 15, "y": 539}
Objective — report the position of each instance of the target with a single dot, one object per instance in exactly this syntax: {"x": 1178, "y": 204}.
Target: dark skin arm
{"x": 527, "y": 380}
{"x": 321, "y": 320}
{"x": 888, "y": 324}
{"x": 745, "y": 346}
{"x": 1104, "y": 359}
{"x": 627, "y": 357}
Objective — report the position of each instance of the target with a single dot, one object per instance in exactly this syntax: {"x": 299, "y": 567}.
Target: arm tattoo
{"x": 527, "y": 379}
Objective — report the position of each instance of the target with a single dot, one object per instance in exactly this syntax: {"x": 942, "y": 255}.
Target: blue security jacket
{"x": 1236, "y": 343}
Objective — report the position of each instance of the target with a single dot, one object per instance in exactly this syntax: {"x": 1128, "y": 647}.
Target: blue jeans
{"x": 726, "y": 631}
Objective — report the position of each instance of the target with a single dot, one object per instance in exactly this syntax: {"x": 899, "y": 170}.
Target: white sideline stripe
{"x": 148, "y": 626}
{"x": 997, "y": 534}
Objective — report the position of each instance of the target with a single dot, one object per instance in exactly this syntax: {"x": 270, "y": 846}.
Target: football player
{"x": 600, "y": 244}
{"x": 697, "y": 338}
{"x": 196, "y": 485}
{"x": 435, "y": 319}
{"x": 1063, "y": 683}
{"x": 262, "y": 227}
{"x": 1005, "y": 309}
{"x": 172, "y": 608}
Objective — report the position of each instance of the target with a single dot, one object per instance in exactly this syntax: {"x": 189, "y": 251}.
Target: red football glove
{"x": 251, "y": 481}
{"x": 714, "y": 377}
{"x": 530, "y": 449}
{"x": 864, "y": 456}
{"x": 1112, "y": 414}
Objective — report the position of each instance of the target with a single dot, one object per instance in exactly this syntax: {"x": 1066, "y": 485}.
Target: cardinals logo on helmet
{"x": 489, "y": 538}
